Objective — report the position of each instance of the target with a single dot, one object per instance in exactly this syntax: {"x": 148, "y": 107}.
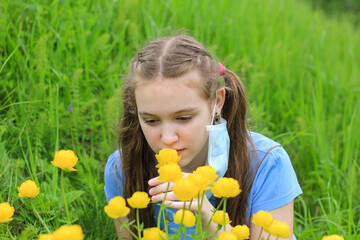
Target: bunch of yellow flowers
{"x": 185, "y": 189}
{"x": 194, "y": 186}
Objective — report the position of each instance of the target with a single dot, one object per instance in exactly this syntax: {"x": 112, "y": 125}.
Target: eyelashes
{"x": 182, "y": 119}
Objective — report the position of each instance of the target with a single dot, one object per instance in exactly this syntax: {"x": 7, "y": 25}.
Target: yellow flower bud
{"x": 46, "y": 237}
{"x": 117, "y": 208}
{"x": 332, "y": 237}
{"x": 218, "y": 218}
{"x": 28, "y": 189}
{"x": 185, "y": 189}
{"x": 188, "y": 220}
{"x": 262, "y": 219}
{"x": 167, "y": 156}
{"x": 139, "y": 200}
{"x": 267, "y": 228}
{"x": 227, "y": 236}
{"x": 65, "y": 159}
{"x": 6, "y": 212}
{"x": 226, "y": 187}
{"x": 153, "y": 234}
{"x": 169, "y": 173}
{"x": 204, "y": 176}
{"x": 280, "y": 229}
{"x": 241, "y": 231}
{"x": 68, "y": 232}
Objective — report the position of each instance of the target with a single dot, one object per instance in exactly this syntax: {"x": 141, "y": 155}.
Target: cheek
{"x": 195, "y": 133}
{"x": 150, "y": 134}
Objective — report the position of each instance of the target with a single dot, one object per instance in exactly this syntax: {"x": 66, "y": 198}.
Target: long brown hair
{"x": 171, "y": 57}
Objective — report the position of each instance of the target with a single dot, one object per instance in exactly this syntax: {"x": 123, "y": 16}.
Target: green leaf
{"x": 71, "y": 196}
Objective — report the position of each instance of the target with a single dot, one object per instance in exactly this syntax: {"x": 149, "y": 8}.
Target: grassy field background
{"x": 61, "y": 69}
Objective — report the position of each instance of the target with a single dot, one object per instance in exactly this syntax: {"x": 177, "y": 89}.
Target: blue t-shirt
{"x": 274, "y": 186}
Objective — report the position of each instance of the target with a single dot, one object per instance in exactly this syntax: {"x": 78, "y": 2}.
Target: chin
{"x": 182, "y": 163}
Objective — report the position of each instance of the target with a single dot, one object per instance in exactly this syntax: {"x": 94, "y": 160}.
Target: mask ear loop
{"x": 213, "y": 113}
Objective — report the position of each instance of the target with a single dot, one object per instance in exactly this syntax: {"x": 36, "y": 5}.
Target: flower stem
{"x": 162, "y": 209}
{"x": 184, "y": 233}
{"x": 218, "y": 229}
{"x": 260, "y": 233}
{"x": 181, "y": 223}
{"x": 39, "y": 217}
{"x": 127, "y": 228}
{"x": 217, "y": 208}
{"x": 268, "y": 238}
{"x": 199, "y": 222}
{"x": 189, "y": 204}
{"x": 224, "y": 214}
{"x": 138, "y": 223}
{"x": 63, "y": 194}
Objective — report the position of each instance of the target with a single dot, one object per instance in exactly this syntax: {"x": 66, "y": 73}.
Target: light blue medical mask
{"x": 218, "y": 149}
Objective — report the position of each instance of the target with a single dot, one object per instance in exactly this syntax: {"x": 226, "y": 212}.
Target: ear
{"x": 220, "y": 100}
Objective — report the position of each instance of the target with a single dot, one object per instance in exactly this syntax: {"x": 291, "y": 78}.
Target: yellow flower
{"x": 117, "y": 208}
{"x": 185, "y": 189}
{"x": 280, "y": 229}
{"x": 139, "y": 200}
{"x": 6, "y": 212}
{"x": 65, "y": 159}
{"x": 68, "y": 232}
{"x": 203, "y": 177}
{"x": 167, "y": 156}
{"x": 218, "y": 217}
{"x": 241, "y": 232}
{"x": 332, "y": 237}
{"x": 46, "y": 237}
{"x": 28, "y": 189}
{"x": 262, "y": 219}
{"x": 189, "y": 218}
{"x": 227, "y": 236}
{"x": 226, "y": 187}
{"x": 169, "y": 173}
{"x": 267, "y": 228}
{"x": 153, "y": 234}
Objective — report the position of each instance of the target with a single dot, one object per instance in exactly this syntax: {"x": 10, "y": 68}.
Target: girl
{"x": 173, "y": 98}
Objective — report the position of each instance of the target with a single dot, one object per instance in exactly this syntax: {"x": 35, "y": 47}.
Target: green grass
{"x": 301, "y": 70}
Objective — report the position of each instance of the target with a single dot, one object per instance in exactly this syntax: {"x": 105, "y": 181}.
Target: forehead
{"x": 171, "y": 94}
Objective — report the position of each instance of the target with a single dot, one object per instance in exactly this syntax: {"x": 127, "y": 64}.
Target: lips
{"x": 179, "y": 151}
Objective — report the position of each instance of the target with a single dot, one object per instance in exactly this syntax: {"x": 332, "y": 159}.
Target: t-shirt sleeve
{"x": 275, "y": 184}
{"x": 113, "y": 177}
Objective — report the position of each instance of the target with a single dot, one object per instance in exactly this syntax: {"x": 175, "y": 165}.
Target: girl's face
{"x": 173, "y": 114}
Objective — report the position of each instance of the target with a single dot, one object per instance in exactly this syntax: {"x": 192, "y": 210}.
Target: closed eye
{"x": 151, "y": 121}
{"x": 184, "y": 118}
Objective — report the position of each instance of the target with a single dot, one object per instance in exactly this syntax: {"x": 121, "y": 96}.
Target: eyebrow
{"x": 186, "y": 110}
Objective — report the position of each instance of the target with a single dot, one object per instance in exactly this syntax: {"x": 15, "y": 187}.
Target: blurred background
{"x": 62, "y": 65}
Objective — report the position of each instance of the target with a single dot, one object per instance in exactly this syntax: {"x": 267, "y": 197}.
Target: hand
{"x": 157, "y": 193}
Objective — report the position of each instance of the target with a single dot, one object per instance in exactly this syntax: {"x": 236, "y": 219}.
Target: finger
{"x": 180, "y": 205}
{"x": 154, "y": 182}
{"x": 185, "y": 174}
{"x": 161, "y": 188}
{"x": 160, "y": 197}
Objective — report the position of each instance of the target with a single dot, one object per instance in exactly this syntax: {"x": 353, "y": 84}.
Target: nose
{"x": 169, "y": 135}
